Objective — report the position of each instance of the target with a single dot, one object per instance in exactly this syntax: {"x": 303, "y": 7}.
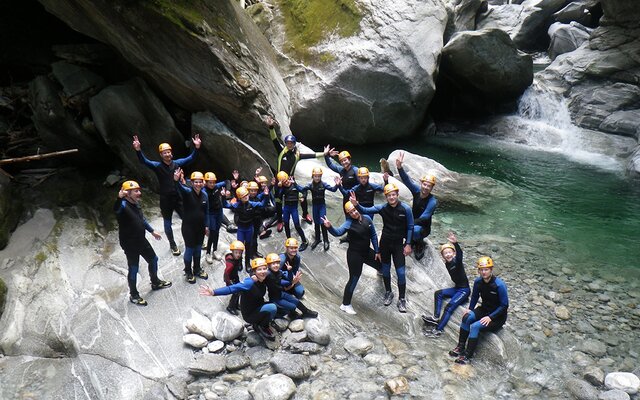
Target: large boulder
{"x": 131, "y": 108}
{"x": 462, "y": 15}
{"x": 373, "y": 85}
{"x": 566, "y": 37}
{"x": 526, "y": 23}
{"x": 58, "y": 128}
{"x": 203, "y": 55}
{"x": 482, "y": 68}
{"x": 576, "y": 11}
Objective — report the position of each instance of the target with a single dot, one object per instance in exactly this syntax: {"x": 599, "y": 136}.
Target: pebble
{"x": 614, "y": 395}
{"x": 562, "y": 312}
{"x": 359, "y": 346}
{"x": 215, "y": 346}
{"x": 624, "y": 381}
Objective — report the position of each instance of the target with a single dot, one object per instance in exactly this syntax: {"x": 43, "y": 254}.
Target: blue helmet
{"x": 290, "y": 138}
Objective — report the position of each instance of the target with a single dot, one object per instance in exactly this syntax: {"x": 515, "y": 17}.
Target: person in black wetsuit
{"x": 216, "y": 193}
{"x": 170, "y": 200}
{"x": 423, "y": 206}
{"x": 348, "y": 172}
{"x": 245, "y": 211}
{"x": 452, "y": 254}
{"x": 252, "y": 305}
{"x": 288, "y": 157}
{"x": 195, "y": 222}
{"x": 268, "y": 213}
{"x": 361, "y": 232}
{"x": 489, "y": 316}
{"x": 233, "y": 265}
{"x": 318, "y": 205}
{"x": 290, "y": 265}
{"x": 365, "y": 191}
{"x": 288, "y": 193}
{"x": 278, "y": 282}
{"x": 132, "y": 226}
{"x": 395, "y": 240}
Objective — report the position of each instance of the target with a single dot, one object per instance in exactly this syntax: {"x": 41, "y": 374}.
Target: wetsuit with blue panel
{"x": 194, "y": 221}
{"x": 422, "y": 207}
{"x": 245, "y": 213}
{"x": 349, "y": 176}
{"x": 298, "y": 289}
{"x": 319, "y": 209}
{"x": 252, "y": 305}
{"x": 290, "y": 199}
{"x": 458, "y": 294}
{"x": 365, "y": 194}
{"x": 215, "y": 214}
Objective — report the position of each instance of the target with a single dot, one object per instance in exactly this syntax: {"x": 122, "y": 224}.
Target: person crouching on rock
{"x": 252, "y": 305}
{"x": 360, "y": 231}
{"x": 489, "y": 316}
{"x": 290, "y": 266}
{"x": 277, "y": 282}
{"x": 233, "y": 265}
{"x": 132, "y": 227}
{"x": 452, "y": 254}
{"x": 195, "y": 222}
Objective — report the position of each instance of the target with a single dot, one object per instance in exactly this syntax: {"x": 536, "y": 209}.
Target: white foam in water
{"x": 544, "y": 123}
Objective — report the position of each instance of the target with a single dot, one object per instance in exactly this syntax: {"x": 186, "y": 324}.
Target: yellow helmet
{"x": 262, "y": 179}
{"x": 272, "y": 257}
{"x": 197, "y": 175}
{"x": 447, "y": 246}
{"x": 363, "y": 171}
{"x": 258, "y": 262}
{"x": 316, "y": 171}
{"x": 428, "y": 178}
{"x": 163, "y": 147}
{"x": 236, "y": 245}
{"x": 291, "y": 242}
{"x": 241, "y": 192}
{"x": 282, "y": 176}
{"x": 485, "y": 262}
{"x": 390, "y": 187}
{"x": 129, "y": 185}
{"x": 343, "y": 154}
{"x": 348, "y": 207}
{"x": 253, "y": 185}
{"x": 210, "y": 176}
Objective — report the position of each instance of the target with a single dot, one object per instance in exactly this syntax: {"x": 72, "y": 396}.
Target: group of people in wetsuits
{"x": 259, "y": 204}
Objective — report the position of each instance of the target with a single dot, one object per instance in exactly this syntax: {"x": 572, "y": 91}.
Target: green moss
{"x": 3, "y": 296}
{"x": 309, "y": 22}
{"x": 40, "y": 257}
{"x": 183, "y": 13}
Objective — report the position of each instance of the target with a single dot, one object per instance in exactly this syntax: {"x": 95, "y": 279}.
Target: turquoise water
{"x": 590, "y": 215}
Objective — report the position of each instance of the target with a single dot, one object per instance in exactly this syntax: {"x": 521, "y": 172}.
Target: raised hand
{"x": 400, "y": 160}
{"x": 136, "y": 143}
{"x": 328, "y": 149}
{"x": 337, "y": 180}
{"x": 325, "y": 222}
{"x": 270, "y": 121}
{"x": 178, "y": 174}
{"x": 352, "y": 198}
{"x": 451, "y": 236}
{"x": 235, "y": 174}
{"x": 196, "y": 141}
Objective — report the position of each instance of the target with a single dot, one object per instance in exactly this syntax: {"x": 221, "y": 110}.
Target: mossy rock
{"x": 309, "y": 22}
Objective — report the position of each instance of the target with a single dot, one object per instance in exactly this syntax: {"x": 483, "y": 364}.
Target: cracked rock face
{"x": 381, "y": 80}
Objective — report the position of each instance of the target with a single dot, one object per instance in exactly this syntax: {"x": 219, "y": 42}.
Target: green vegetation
{"x": 309, "y": 22}
{"x": 183, "y": 13}
{"x": 40, "y": 257}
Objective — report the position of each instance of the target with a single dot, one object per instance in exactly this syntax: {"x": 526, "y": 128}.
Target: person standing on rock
{"x": 395, "y": 241}
{"x": 132, "y": 226}
{"x": 288, "y": 157}
{"x": 170, "y": 200}
{"x": 289, "y": 192}
{"x": 489, "y": 316}
{"x": 233, "y": 265}
{"x": 348, "y": 172}
{"x": 360, "y": 231}
{"x": 277, "y": 283}
{"x": 423, "y": 207}
{"x": 252, "y": 305}
{"x": 318, "y": 205}
{"x": 216, "y": 193}
{"x": 195, "y": 222}
{"x": 452, "y": 254}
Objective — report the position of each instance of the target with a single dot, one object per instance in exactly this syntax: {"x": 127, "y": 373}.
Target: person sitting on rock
{"x": 289, "y": 192}
{"x": 395, "y": 241}
{"x": 252, "y": 289}
{"x": 365, "y": 191}
{"x": 233, "y": 265}
{"x": 170, "y": 199}
{"x": 423, "y": 207}
{"x": 278, "y": 282}
{"x": 318, "y": 205}
{"x": 131, "y": 232}
{"x": 195, "y": 222}
{"x": 452, "y": 254}
{"x": 217, "y": 193}
{"x": 348, "y": 172}
{"x": 288, "y": 157}
{"x": 245, "y": 211}
{"x": 290, "y": 266}
{"x": 360, "y": 231}
{"x": 489, "y": 316}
